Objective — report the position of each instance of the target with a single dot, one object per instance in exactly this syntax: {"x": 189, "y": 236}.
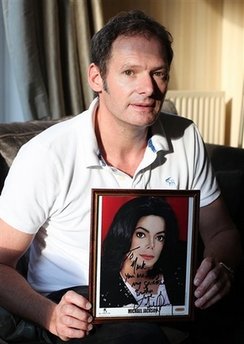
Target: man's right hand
{"x": 71, "y": 318}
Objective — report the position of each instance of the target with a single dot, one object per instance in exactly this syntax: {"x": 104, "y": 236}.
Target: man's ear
{"x": 94, "y": 78}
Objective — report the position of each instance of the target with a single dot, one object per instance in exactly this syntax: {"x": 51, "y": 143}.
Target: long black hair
{"x": 117, "y": 242}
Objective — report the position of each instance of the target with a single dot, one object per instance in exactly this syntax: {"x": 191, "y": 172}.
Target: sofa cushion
{"x": 225, "y": 158}
{"x": 231, "y": 184}
{"x": 13, "y": 136}
{"x": 228, "y": 163}
{"x": 169, "y": 107}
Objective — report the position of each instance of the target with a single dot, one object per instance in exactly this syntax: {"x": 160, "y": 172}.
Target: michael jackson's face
{"x": 148, "y": 241}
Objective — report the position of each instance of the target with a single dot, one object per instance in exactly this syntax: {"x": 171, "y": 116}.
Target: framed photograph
{"x": 143, "y": 254}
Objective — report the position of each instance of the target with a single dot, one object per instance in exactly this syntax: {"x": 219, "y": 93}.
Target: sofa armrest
{"x": 228, "y": 163}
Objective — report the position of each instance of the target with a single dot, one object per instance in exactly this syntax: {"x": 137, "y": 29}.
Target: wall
{"x": 208, "y": 45}
{"x": 232, "y": 72}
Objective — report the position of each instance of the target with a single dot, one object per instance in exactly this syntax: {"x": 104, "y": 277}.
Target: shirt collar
{"x": 157, "y": 138}
{"x": 92, "y": 156}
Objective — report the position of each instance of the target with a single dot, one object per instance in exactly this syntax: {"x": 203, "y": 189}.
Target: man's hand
{"x": 213, "y": 282}
{"x": 71, "y": 318}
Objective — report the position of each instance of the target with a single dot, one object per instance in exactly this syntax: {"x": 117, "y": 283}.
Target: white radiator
{"x": 206, "y": 109}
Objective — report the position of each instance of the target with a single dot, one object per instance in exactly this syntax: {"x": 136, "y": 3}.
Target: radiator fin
{"x": 206, "y": 109}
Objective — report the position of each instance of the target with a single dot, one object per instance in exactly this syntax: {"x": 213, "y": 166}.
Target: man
{"x": 120, "y": 142}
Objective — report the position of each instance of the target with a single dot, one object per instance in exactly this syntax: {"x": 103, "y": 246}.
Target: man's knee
{"x": 14, "y": 329}
{"x": 7, "y": 323}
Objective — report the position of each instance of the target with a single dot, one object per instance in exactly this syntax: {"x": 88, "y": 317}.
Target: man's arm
{"x": 68, "y": 319}
{"x": 222, "y": 245}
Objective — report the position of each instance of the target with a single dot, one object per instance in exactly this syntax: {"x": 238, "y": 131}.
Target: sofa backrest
{"x": 228, "y": 162}
{"x": 13, "y": 136}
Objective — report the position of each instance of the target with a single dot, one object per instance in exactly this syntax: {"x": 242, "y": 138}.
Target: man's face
{"x": 136, "y": 81}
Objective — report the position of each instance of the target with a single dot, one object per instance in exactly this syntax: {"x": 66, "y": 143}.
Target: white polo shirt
{"x": 48, "y": 189}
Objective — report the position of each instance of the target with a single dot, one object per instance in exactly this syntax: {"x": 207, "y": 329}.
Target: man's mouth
{"x": 146, "y": 104}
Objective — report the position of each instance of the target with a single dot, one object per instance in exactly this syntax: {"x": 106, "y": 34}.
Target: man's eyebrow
{"x": 132, "y": 65}
{"x": 163, "y": 68}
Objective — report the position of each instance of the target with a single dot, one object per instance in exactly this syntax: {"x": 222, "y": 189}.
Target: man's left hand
{"x": 212, "y": 283}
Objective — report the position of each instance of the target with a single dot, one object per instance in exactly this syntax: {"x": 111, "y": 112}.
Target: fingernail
{"x": 89, "y": 319}
{"x": 88, "y": 305}
{"x": 197, "y": 293}
{"x": 196, "y": 281}
{"x": 90, "y": 327}
{"x": 198, "y": 303}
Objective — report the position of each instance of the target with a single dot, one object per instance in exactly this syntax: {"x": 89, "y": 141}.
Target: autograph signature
{"x": 134, "y": 263}
{"x": 144, "y": 288}
{"x": 146, "y": 300}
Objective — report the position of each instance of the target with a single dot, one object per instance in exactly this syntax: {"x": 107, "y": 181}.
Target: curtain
{"x": 10, "y": 108}
{"x": 48, "y": 42}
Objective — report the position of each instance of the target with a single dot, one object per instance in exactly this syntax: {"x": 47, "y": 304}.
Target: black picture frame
{"x": 110, "y": 288}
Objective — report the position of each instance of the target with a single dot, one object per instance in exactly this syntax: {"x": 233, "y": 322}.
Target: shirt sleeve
{"x": 204, "y": 178}
{"x": 31, "y": 188}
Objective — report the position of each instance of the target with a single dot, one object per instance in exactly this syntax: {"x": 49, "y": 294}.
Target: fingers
{"x": 212, "y": 283}
{"x": 71, "y": 297}
{"x": 71, "y": 318}
{"x": 73, "y": 322}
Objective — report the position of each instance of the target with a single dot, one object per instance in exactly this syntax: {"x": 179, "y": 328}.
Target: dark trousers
{"x": 16, "y": 330}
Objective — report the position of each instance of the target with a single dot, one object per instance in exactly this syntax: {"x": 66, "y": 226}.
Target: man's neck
{"x": 121, "y": 147}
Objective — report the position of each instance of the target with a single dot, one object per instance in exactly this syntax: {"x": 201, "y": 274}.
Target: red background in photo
{"x": 111, "y": 204}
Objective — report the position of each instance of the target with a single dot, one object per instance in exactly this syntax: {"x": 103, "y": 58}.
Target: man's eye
{"x": 128, "y": 72}
{"x": 162, "y": 75}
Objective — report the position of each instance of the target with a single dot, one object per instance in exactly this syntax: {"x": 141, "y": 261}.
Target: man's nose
{"x": 146, "y": 85}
